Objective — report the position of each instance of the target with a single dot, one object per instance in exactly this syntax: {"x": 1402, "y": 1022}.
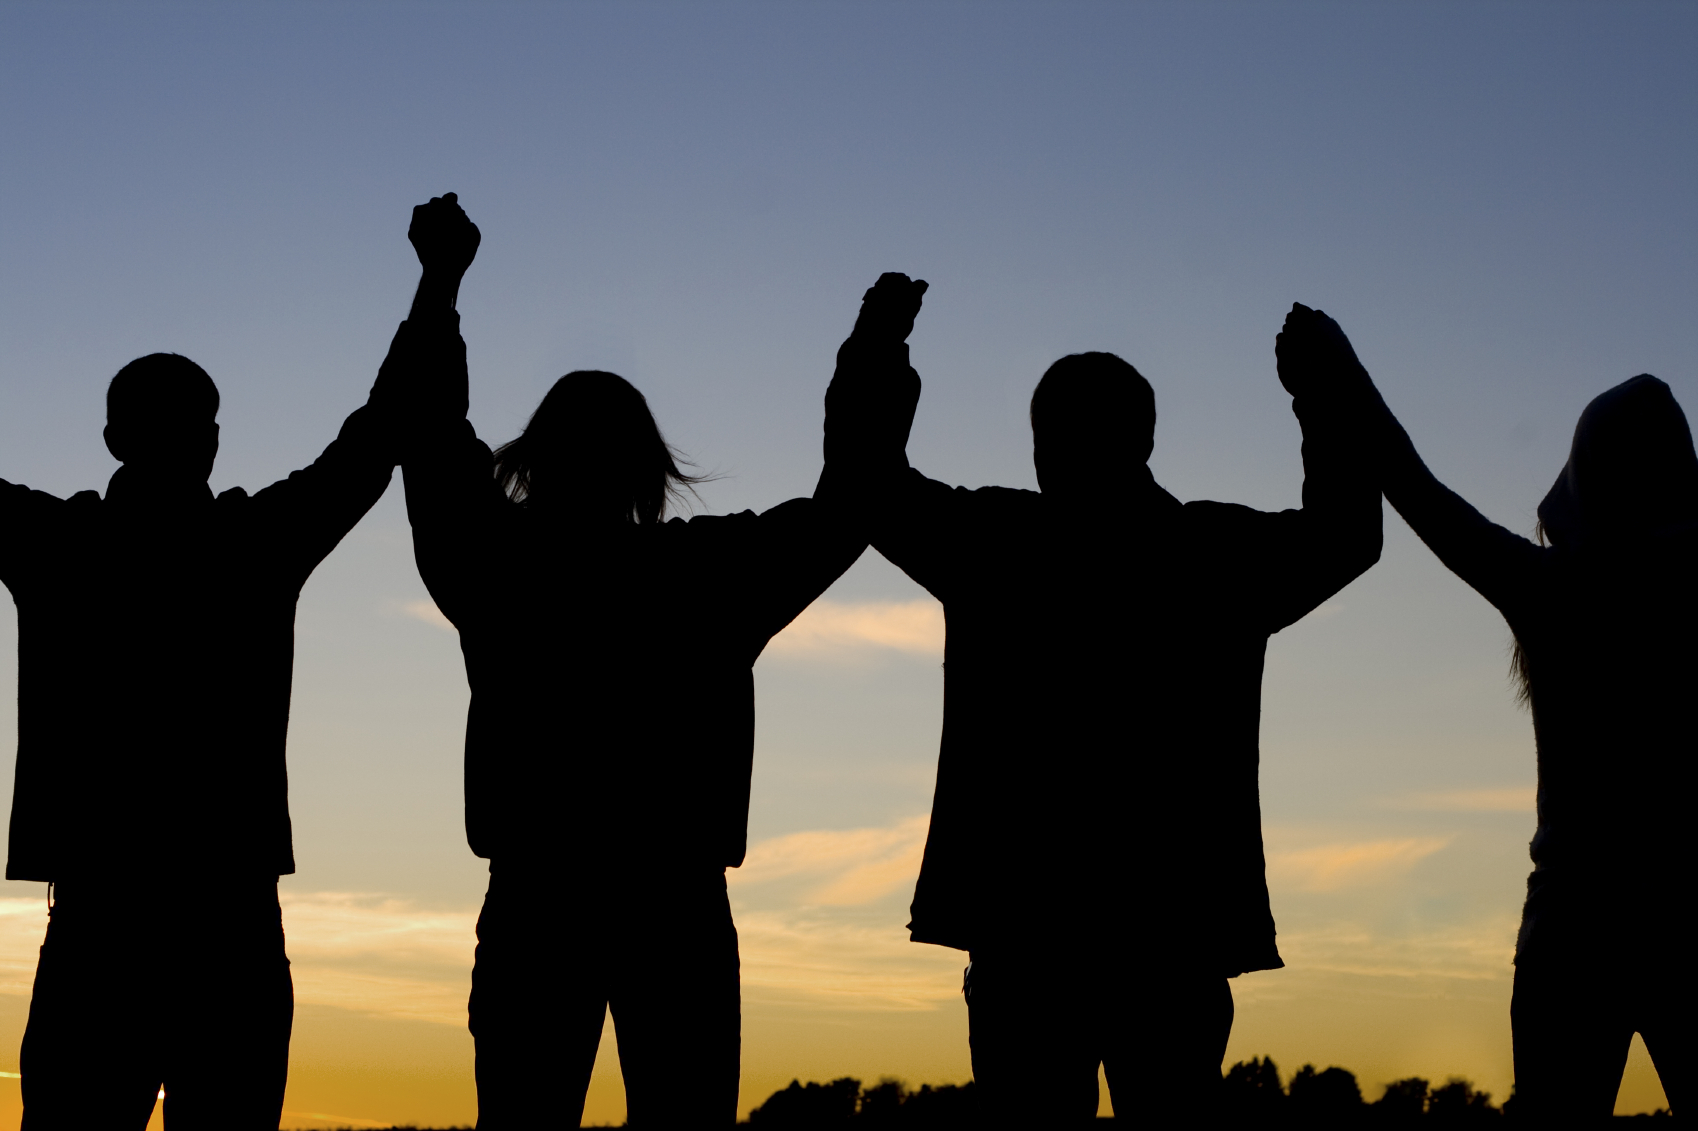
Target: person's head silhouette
{"x": 592, "y": 448}
{"x": 161, "y": 418}
{"x": 1631, "y": 470}
{"x": 1093, "y": 418}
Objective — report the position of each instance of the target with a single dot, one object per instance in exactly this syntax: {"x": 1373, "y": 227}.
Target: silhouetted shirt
{"x": 1097, "y": 780}
{"x": 1606, "y": 620}
{"x": 155, "y": 653}
{"x": 613, "y": 711}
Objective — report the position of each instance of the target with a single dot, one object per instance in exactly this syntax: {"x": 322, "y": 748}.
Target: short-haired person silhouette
{"x": 155, "y": 649}
{"x": 1095, "y": 839}
{"x": 1604, "y": 612}
{"x": 609, "y": 741}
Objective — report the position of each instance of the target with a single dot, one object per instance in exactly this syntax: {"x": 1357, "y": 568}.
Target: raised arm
{"x": 870, "y": 403}
{"x": 309, "y": 512}
{"x": 1497, "y": 563}
{"x": 869, "y": 410}
{"x": 453, "y": 499}
{"x": 28, "y": 521}
{"x": 1307, "y": 555}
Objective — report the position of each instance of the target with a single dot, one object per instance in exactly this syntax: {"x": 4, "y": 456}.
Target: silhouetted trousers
{"x": 1573, "y": 1018}
{"x": 1040, "y": 1024}
{"x": 142, "y": 986}
{"x": 558, "y": 949}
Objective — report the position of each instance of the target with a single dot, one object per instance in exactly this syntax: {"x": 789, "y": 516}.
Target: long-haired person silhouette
{"x": 610, "y": 738}
{"x": 1604, "y": 612}
{"x": 1095, "y": 839}
{"x": 155, "y": 649}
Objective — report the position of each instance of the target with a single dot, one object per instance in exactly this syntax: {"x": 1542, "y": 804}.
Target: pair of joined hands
{"x": 1311, "y": 350}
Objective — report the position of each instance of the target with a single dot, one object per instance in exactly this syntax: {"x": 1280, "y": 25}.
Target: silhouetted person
{"x": 609, "y": 742}
{"x": 1604, "y": 610}
{"x": 155, "y": 647}
{"x": 1095, "y": 839}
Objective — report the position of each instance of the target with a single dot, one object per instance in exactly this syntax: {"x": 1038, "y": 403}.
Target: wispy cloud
{"x": 23, "y": 924}
{"x": 842, "y": 963}
{"x": 840, "y": 867}
{"x": 1335, "y": 867}
{"x": 380, "y": 955}
{"x": 820, "y": 916}
{"x": 370, "y": 953}
{"x": 834, "y": 628}
{"x": 1499, "y": 799}
{"x": 427, "y": 612}
{"x": 1474, "y": 951}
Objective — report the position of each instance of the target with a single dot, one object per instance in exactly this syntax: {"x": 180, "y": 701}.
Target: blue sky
{"x": 1494, "y": 198}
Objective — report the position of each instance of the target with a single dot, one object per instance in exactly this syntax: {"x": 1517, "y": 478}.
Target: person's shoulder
{"x": 36, "y": 501}
{"x": 695, "y": 526}
{"x": 1208, "y": 522}
{"x": 999, "y": 500}
{"x": 1207, "y": 513}
{"x": 234, "y": 497}
{"x": 1013, "y": 496}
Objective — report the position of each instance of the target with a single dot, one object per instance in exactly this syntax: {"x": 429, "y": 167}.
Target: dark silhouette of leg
{"x": 1034, "y": 1040}
{"x": 677, "y": 1006}
{"x": 91, "y": 1056}
{"x": 539, "y": 997}
{"x": 1572, "y": 1028}
{"x": 1166, "y": 1027}
{"x": 232, "y": 1006}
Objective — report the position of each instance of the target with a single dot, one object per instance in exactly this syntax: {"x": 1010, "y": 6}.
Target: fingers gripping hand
{"x": 1313, "y": 353}
{"x": 889, "y": 308}
{"x": 444, "y": 236}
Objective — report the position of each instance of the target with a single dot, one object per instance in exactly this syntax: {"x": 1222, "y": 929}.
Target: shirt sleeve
{"x": 26, "y": 521}
{"x": 1503, "y": 567}
{"x": 799, "y": 548}
{"x": 1291, "y": 561}
{"x": 869, "y": 411}
{"x": 455, "y": 506}
{"x": 307, "y": 514}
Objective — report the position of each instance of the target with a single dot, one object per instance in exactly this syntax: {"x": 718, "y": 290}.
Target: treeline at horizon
{"x": 1252, "y": 1095}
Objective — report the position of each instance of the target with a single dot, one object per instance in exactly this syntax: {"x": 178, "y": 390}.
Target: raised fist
{"x": 1314, "y": 355}
{"x": 888, "y": 309}
{"x": 442, "y": 234}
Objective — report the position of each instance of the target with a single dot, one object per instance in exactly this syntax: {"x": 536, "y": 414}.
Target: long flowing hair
{"x": 1520, "y": 668}
{"x": 596, "y": 425}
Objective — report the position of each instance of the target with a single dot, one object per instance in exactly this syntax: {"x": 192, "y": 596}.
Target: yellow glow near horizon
{"x": 832, "y": 987}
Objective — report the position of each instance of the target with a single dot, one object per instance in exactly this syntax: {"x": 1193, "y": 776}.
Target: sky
{"x": 1494, "y": 199}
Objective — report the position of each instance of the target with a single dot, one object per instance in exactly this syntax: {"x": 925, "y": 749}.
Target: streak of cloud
{"x": 1336, "y": 867}
{"x": 379, "y": 955}
{"x": 1479, "y": 950}
{"x": 427, "y": 612}
{"x": 834, "y": 629}
{"x": 842, "y": 867}
{"x": 1502, "y": 799}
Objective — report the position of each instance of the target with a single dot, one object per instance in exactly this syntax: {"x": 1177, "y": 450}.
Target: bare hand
{"x": 445, "y": 238}
{"x": 889, "y": 307}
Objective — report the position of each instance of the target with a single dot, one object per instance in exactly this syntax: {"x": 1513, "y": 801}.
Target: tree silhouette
{"x": 1252, "y": 1097}
{"x": 1329, "y": 1098}
{"x": 1251, "y": 1090}
{"x": 881, "y": 1104}
{"x": 1456, "y": 1101}
{"x": 889, "y": 1103}
{"x": 815, "y": 1105}
{"x": 1403, "y": 1099}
